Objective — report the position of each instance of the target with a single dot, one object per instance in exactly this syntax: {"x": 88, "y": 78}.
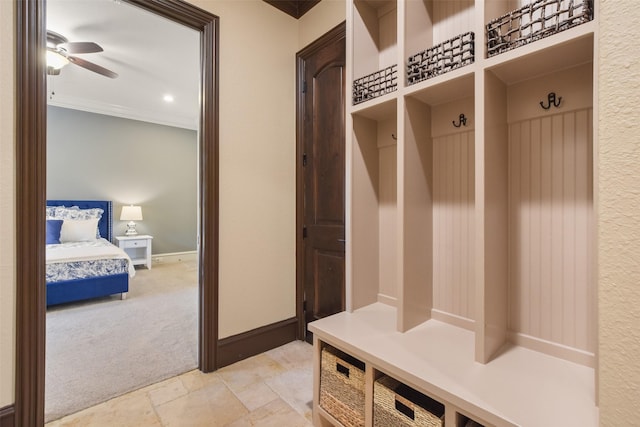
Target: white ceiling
{"x": 152, "y": 56}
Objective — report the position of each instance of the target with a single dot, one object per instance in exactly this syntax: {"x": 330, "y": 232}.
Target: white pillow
{"x": 74, "y": 212}
{"x": 78, "y": 230}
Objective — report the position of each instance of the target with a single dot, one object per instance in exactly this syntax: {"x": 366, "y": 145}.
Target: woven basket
{"x": 342, "y": 387}
{"x": 534, "y": 21}
{"x": 441, "y": 58}
{"x": 398, "y": 405}
{"x": 375, "y": 84}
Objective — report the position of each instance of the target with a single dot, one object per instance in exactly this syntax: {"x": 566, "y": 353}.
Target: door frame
{"x": 30, "y": 196}
{"x": 333, "y": 35}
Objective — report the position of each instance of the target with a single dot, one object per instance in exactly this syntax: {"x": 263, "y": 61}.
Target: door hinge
{"x": 304, "y": 159}
{"x": 304, "y": 86}
{"x": 304, "y": 232}
{"x": 304, "y": 305}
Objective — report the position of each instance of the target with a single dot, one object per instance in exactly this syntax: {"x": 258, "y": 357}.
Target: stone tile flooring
{"x": 274, "y": 388}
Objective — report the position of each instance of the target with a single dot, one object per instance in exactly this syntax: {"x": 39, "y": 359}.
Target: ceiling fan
{"x": 60, "y": 52}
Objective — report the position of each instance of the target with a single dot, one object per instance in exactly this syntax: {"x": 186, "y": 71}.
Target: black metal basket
{"x": 375, "y": 84}
{"x": 446, "y": 56}
{"x": 541, "y": 18}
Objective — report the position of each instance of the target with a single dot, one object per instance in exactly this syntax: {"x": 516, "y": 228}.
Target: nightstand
{"x": 138, "y": 248}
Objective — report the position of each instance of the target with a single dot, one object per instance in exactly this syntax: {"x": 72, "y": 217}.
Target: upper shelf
{"x": 444, "y": 42}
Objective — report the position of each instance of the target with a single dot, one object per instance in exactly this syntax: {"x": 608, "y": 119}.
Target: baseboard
{"x": 238, "y": 347}
{"x": 7, "y": 416}
{"x": 452, "y": 319}
{"x": 553, "y": 349}
{"x": 174, "y": 257}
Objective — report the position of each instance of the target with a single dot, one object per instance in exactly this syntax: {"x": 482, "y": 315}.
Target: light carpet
{"x": 100, "y": 349}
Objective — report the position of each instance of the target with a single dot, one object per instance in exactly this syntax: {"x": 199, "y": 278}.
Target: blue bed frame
{"x": 94, "y": 287}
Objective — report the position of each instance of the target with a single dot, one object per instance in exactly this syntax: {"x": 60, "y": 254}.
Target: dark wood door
{"x": 323, "y": 180}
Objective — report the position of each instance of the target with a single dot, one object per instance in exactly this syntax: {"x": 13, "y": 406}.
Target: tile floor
{"x": 271, "y": 389}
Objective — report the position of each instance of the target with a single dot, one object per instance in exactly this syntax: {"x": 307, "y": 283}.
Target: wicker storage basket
{"x": 398, "y": 405}
{"x": 375, "y": 84}
{"x": 342, "y": 387}
{"x": 539, "y": 19}
{"x": 444, "y": 57}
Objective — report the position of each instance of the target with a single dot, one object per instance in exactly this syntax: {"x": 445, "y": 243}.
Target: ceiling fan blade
{"x": 54, "y": 39}
{"x": 81, "y": 47}
{"x": 92, "y": 67}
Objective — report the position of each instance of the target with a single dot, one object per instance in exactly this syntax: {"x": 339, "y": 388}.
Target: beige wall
{"x": 619, "y": 212}
{"x": 257, "y": 155}
{"x": 7, "y": 202}
{"x": 257, "y": 159}
{"x": 321, "y": 18}
{"x": 257, "y": 172}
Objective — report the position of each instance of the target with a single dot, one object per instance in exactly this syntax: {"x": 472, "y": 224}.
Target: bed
{"x": 80, "y": 267}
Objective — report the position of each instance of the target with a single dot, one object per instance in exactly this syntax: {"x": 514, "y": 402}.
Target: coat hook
{"x": 393, "y": 135}
{"x": 551, "y": 100}
{"x": 462, "y": 121}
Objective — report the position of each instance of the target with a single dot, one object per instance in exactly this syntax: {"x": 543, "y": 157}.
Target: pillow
{"x": 78, "y": 230}
{"x": 74, "y": 212}
{"x": 53, "y": 231}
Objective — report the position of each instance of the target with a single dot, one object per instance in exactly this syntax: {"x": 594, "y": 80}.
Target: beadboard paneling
{"x": 552, "y": 295}
{"x": 388, "y": 36}
{"x": 451, "y": 18}
{"x": 387, "y": 196}
{"x": 453, "y": 224}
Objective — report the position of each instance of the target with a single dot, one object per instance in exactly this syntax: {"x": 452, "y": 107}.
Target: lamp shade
{"x": 56, "y": 60}
{"x": 131, "y": 213}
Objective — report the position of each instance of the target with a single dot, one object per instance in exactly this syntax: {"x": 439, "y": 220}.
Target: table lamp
{"x": 131, "y": 213}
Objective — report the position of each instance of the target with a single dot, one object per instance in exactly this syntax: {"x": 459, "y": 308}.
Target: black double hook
{"x": 551, "y": 100}
{"x": 462, "y": 121}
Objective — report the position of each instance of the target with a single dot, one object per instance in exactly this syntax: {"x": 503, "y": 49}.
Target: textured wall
{"x": 619, "y": 212}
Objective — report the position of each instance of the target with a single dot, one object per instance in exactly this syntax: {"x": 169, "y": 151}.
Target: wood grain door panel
{"x": 322, "y": 179}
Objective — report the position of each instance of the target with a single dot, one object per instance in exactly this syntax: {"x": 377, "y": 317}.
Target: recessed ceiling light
{"x": 168, "y": 98}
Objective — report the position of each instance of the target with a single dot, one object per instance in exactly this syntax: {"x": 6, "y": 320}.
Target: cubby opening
{"x": 464, "y": 421}
{"x": 431, "y": 22}
{"x": 374, "y": 36}
{"x": 342, "y": 387}
{"x": 439, "y": 37}
{"x": 374, "y": 206}
{"x": 375, "y": 28}
{"x": 439, "y": 206}
{"x": 540, "y": 140}
{"x": 396, "y": 403}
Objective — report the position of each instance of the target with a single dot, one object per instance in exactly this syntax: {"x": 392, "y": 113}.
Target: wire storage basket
{"x": 396, "y": 404}
{"x": 342, "y": 387}
{"x": 441, "y": 58}
{"x": 537, "y": 20}
{"x": 375, "y": 84}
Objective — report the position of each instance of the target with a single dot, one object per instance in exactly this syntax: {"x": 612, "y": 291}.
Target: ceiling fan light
{"x": 56, "y": 60}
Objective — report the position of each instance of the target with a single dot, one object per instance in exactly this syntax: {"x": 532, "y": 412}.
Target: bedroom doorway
{"x": 31, "y": 195}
